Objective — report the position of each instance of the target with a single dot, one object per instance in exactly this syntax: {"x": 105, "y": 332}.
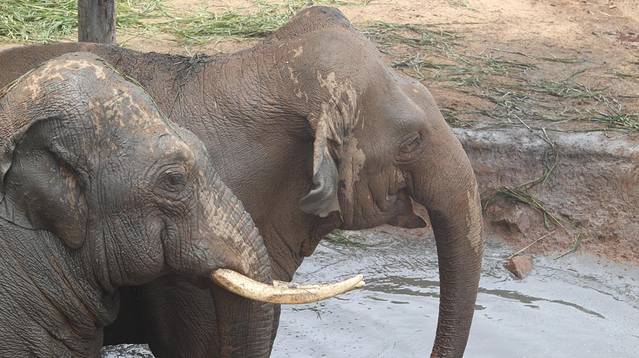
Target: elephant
{"x": 101, "y": 191}
{"x": 313, "y": 132}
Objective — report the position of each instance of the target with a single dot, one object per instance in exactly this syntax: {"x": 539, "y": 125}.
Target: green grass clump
{"x": 41, "y": 21}
{"x": 342, "y": 238}
{"x": 618, "y": 119}
{"x": 413, "y": 35}
{"x": 202, "y": 26}
{"x": 37, "y": 21}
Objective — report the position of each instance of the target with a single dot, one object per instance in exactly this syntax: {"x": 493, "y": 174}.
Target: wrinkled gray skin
{"x": 313, "y": 132}
{"x": 99, "y": 192}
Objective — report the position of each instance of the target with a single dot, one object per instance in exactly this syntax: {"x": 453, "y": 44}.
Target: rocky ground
{"x": 544, "y": 95}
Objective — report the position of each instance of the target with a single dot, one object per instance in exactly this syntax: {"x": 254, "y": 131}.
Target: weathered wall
{"x": 593, "y": 190}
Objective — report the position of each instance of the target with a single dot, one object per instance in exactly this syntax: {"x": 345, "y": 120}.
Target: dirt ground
{"x": 549, "y": 63}
{"x": 482, "y": 56}
{"x": 568, "y": 66}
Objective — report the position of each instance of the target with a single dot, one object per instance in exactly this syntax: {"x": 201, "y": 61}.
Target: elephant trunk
{"x": 244, "y": 326}
{"x": 452, "y": 200}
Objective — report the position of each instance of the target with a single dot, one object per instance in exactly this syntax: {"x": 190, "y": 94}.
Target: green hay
{"x": 575, "y": 246}
{"x": 561, "y": 60}
{"x": 41, "y": 21}
{"x": 204, "y": 26}
{"x": 341, "y": 238}
{"x": 619, "y": 120}
{"x": 523, "y": 196}
{"x": 413, "y": 35}
{"x": 200, "y": 27}
{"x": 521, "y": 193}
{"x": 513, "y": 82}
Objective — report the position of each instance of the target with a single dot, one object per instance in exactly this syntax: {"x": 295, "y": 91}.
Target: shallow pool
{"x": 577, "y": 306}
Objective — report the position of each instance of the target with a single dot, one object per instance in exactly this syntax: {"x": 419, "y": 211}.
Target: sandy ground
{"x": 600, "y": 38}
{"x": 593, "y": 44}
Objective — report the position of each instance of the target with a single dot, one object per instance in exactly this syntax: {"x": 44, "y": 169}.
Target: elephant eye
{"x": 173, "y": 180}
{"x": 410, "y": 148}
{"x": 176, "y": 179}
{"x": 411, "y": 144}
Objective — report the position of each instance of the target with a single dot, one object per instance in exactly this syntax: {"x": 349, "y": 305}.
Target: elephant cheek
{"x": 408, "y": 215}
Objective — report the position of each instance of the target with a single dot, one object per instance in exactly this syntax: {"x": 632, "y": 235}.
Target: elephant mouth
{"x": 282, "y": 292}
{"x": 393, "y": 207}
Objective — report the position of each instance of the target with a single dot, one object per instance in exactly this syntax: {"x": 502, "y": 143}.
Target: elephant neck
{"x": 47, "y": 292}
{"x": 250, "y": 100}
{"x": 250, "y": 89}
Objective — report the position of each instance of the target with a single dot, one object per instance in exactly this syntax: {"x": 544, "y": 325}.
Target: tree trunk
{"x": 96, "y": 21}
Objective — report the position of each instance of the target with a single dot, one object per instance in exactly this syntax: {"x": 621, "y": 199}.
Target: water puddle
{"x": 578, "y": 306}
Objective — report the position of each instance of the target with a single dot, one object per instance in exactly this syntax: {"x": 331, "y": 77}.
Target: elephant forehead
{"x": 174, "y": 148}
{"x": 63, "y": 69}
{"x": 126, "y": 108}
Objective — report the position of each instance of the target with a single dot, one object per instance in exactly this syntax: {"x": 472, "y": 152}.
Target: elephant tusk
{"x": 282, "y": 292}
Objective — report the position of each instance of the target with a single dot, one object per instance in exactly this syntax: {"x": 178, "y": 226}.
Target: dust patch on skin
{"x": 115, "y": 102}
{"x": 337, "y": 119}
{"x": 230, "y": 224}
{"x": 128, "y": 106}
{"x": 474, "y": 219}
{"x": 340, "y": 110}
{"x": 295, "y": 78}
{"x": 298, "y": 91}
{"x": 353, "y": 159}
{"x": 54, "y": 70}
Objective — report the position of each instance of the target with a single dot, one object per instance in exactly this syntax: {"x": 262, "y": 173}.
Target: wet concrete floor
{"x": 576, "y": 306}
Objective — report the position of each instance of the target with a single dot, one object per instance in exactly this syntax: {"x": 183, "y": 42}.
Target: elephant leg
{"x": 277, "y": 310}
{"x": 179, "y": 318}
{"x": 161, "y": 313}
{"x": 127, "y": 328}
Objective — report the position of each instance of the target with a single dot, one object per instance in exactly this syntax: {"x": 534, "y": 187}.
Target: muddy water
{"x": 573, "y": 307}
{"x": 577, "y": 306}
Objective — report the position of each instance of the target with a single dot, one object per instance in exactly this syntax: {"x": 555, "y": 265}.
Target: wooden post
{"x": 96, "y": 21}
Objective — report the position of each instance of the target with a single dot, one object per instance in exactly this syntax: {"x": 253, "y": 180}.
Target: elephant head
{"x": 381, "y": 145}
{"x": 86, "y": 155}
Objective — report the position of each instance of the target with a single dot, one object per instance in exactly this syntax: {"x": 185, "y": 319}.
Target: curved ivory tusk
{"x": 282, "y": 292}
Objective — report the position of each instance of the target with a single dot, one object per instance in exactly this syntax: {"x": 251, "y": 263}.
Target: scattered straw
{"x": 39, "y": 21}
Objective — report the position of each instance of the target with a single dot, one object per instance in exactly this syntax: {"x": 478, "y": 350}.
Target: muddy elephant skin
{"x": 313, "y": 132}
{"x": 100, "y": 191}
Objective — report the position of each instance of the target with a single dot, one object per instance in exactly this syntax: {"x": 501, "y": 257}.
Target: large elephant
{"x": 313, "y": 132}
{"x": 100, "y": 191}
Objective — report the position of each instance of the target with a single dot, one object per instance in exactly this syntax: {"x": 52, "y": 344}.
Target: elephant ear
{"x": 322, "y": 199}
{"x": 41, "y": 187}
{"x": 333, "y": 122}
